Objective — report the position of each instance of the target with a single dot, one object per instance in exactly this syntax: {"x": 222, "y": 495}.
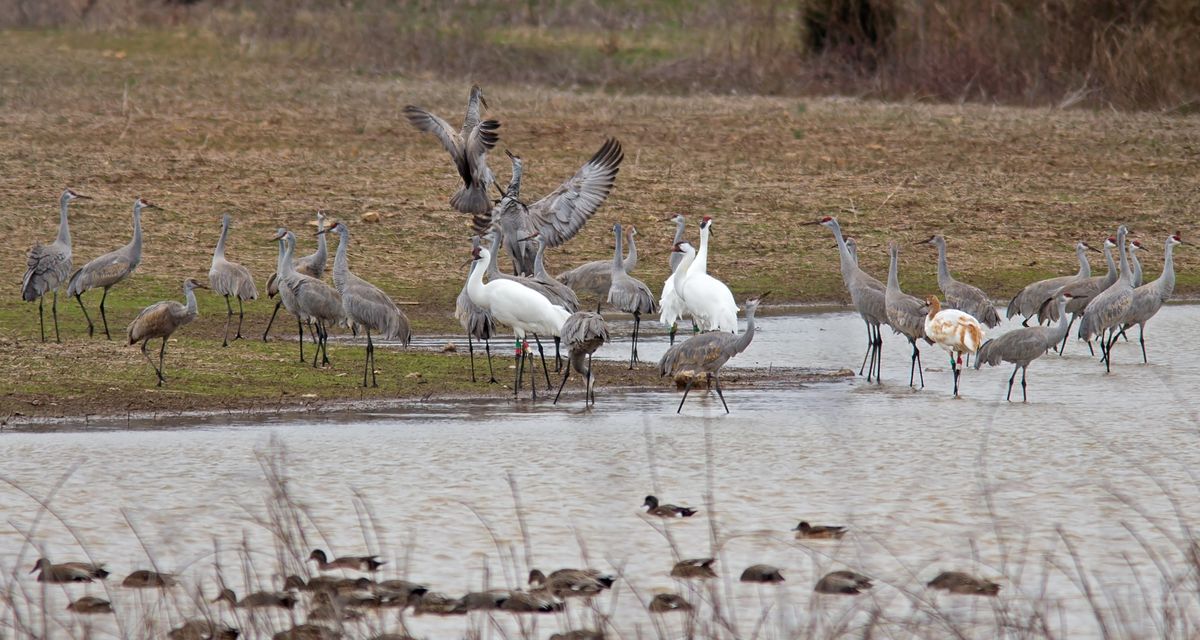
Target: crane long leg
{"x": 54, "y": 312}
{"x": 278, "y": 303}
{"x": 637, "y": 319}
{"x": 557, "y": 358}
{"x": 671, "y": 333}
{"x": 520, "y": 369}
{"x": 870, "y": 346}
{"x": 545, "y": 371}
{"x": 103, "y": 315}
{"x": 300, "y": 329}
{"x": 229, "y": 316}
{"x": 719, "y": 394}
{"x": 162, "y": 352}
{"x": 686, "y": 388}
{"x": 1142, "y": 339}
{"x": 954, "y": 369}
{"x": 878, "y": 355}
{"x": 238, "y": 335}
{"x": 471, "y": 350}
{"x": 1062, "y": 348}
{"x": 316, "y": 339}
{"x": 1010, "y": 381}
{"x": 1024, "y": 396}
{"x": 325, "y": 344}
{"x": 566, "y": 374}
{"x": 366, "y": 362}
{"x": 79, "y": 299}
{"x": 590, "y": 384}
{"x": 145, "y": 354}
{"x": 533, "y": 372}
{"x": 371, "y": 350}
{"x": 488, "y": 345}
{"x": 42, "y": 315}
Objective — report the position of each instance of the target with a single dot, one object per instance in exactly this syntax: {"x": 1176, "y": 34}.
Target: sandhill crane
{"x": 1109, "y": 308}
{"x": 960, "y": 295}
{"x": 1027, "y": 302}
{"x": 516, "y": 305}
{"x": 110, "y": 268}
{"x": 707, "y": 300}
{"x": 559, "y": 215}
{"x": 905, "y": 313}
{"x": 309, "y": 299}
{"x": 162, "y": 319}
{"x": 564, "y": 294}
{"x": 48, "y": 265}
{"x": 670, "y": 304}
{"x": 954, "y": 330}
{"x": 1149, "y": 298}
{"x": 476, "y": 321}
{"x": 629, "y": 294}
{"x": 1135, "y": 277}
{"x": 867, "y": 295}
{"x": 1024, "y": 345}
{"x": 311, "y": 265}
{"x": 596, "y": 277}
{"x": 230, "y": 279}
{"x": 584, "y": 332}
{"x": 468, "y": 149}
{"x": 707, "y": 353}
{"x": 365, "y": 305}
{"x": 1082, "y": 294}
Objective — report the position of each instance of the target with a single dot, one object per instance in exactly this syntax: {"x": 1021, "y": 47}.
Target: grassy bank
{"x": 200, "y": 127}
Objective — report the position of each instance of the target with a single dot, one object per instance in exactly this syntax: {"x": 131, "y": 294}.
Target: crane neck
{"x": 618, "y": 265}
{"x": 322, "y": 254}
{"x": 1108, "y": 259}
{"x": 219, "y": 252}
{"x": 1085, "y": 267}
{"x": 700, "y": 264}
{"x": 514, "y": 185}
{"x": 743, "y": 341}
{"x": 893, "y": 267}
{"x": 1122, "y": 253}
{"x": 189, "y": 294}
{"x": 630, "y": 262}
{"x": 136, "y": 243}
{"x": 943, "y": 269}
{"x": 475, "y": 289}
{"x": 341, "y": 261}
{"x": 681, "y": 273}
{"x": 64, "y": 228}
{"x": 539, "y": 262}
{"x": 286, "y": 267}
{"x": 1166, "y": 280}
{"x": 675, "y": 257}
{"x": 493, "y": 268}
{"x": 1060, "y": 330}
{"x": 472, "y": 116}
{"x": 847, "y": 260}
{"x": 1135, "y": 270}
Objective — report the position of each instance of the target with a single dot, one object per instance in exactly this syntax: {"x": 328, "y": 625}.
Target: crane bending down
{"x": 476, "y": 321}
{"x": 559, "y": 215}
{"x": 629, "y": 294}
{"x": 584, "y": 332}
{"x": 670, "y": 304}
{"x": 867, "y": 295}
{"x": 230, "y": 279}
{"x": 48, "y": 265}
{"x": 906, "y": 314}
{"x": 309, "y": 299}
{"x": 516, "y": 305}
{"x": 1027, "y": 302}
{"x": 1109, "y": 309}
{"x": 311, "y": 265}
{"x": 162, "y": 319}
{"x": 1024, "y": 345}
{"x": 707, "y": 353}
{"x": 960, "y": 295}
{"x": 109, "y": 269}
{"x": 468, "y": 149}
{"x": 705, "y": 298}
{"x": 596, "y": 277}
{"x": 365, "y": 305}
{"x": 1149, "y": 298}
{"x": 954, "y": 330}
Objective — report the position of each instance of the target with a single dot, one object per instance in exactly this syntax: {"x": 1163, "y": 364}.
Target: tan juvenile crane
{"x": 162, "y": 319}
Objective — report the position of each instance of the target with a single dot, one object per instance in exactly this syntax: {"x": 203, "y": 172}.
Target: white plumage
{"x": 706, "y": 299}
{"x": 956, "y": 332}
{"x": 513, "y": 304}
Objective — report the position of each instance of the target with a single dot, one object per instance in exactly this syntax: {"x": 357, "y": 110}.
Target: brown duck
{"x": 356, "y": 563}
{"x": 665, "y": 602}
{"x": 666, "y": 510}
{"x": 762, "y": 573}
{"x": 806, "y": 530}
{"x": 146, "y": 579}
{"x": 203, "y": 630}
{"x": 89, "y": 605}
{"x": 68, "y": 571}
{"x": 282, "y": 599}
{"x": 694, "y": 569}
{"x": 846, "y": 583}
{"x": 961, "y": 583}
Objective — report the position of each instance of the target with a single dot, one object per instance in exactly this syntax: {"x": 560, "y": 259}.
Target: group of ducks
{"x": 1105, "y": 306}
{"x": 337, "y": 599}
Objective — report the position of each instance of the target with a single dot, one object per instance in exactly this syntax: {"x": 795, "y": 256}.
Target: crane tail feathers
{"x": 472, "y": 199}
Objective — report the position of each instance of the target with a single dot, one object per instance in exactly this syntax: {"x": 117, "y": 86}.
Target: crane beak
{"x": 1091, "y": 248}
{"x": 529, "y": 237}
{"x": 510, "y": 155}
{"x": 810, "y": 223}
{"x": 82, "y": 197}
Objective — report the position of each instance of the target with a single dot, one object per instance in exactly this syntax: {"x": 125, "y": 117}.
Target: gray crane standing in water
{"x": 230, "y": 279}
{"x": 866, "y": 293}
{"x": 1024, "y": 345}
{"x": 707, "y": 353}
{"x": 905, "y": 313}
{"x": 1135, "y": 278}
{"x": 365, "y": 305}
{"x": 1149, "y": 298}
{"x": 596, "y": 277}
{"x": 629, "y": 294}
{"x": 312, "y": 265}
{"x": 1109, "y": 309}
{"x": 1082, "y": 294}
{"x": 960, "y": 295}
{"x": 109, "y": 269}
{"x": 584, "y": 332}
{"x": 162, "y": 319}
{"x": 306, "y": 297}
{"x": 559, "y": 215}
{"x": 1030, "y": 299}
{"x": 49, "y": 265}
{"x": 468, "y": 148}
{"x": 477, "y": 322}
{"x": 565, "y": 294}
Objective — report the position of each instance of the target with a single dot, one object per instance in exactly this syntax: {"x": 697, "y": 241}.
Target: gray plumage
{"x": 707, "y": 353}
{"x": 1150, "y": 297}
{"x": 162, "y": 319}
{"x": 311, "y": 265}
{"x": 960, "y": 295}
{"x": 476, "y": 321}
{"x": 764, "y": 573}
{"x": 1135, "y": 278}
{"x": 1024, "y": 345}
{"x": 564, "y": 293}
{"x": 596, "y": 277}
{"x": 562, "y": 213}
{"x": 49, "y": 265}
{"x": 629, "y": 294}
{"x": 675, "y": 257}
{"x": 1108, "y": 310}
{"x": 468, "y": 148}
{"x": 365, "y": 305}
{"x": 109, "y": 269}
{"x": 1027, "y": 302}
{"x": 230, "y": 279}
{"x": 306, "y": 297}
{"x": 905, "y": 313}
{"x": 584, "y": 332}
{"x": 867, "y": 295}
{"x": 1083, "y": 290}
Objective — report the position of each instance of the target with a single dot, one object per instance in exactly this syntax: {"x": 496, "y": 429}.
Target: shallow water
{"x": 925, "y": 481}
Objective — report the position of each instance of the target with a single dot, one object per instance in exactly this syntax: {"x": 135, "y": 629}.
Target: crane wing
{"x": 562, "y": 213}
{"x": 422, "y": 120}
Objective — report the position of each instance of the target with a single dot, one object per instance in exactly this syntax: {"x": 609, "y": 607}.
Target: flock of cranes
{"x": 532, "y": 303}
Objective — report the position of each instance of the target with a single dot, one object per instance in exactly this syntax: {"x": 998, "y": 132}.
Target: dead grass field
{"x": 196, "y": 126}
